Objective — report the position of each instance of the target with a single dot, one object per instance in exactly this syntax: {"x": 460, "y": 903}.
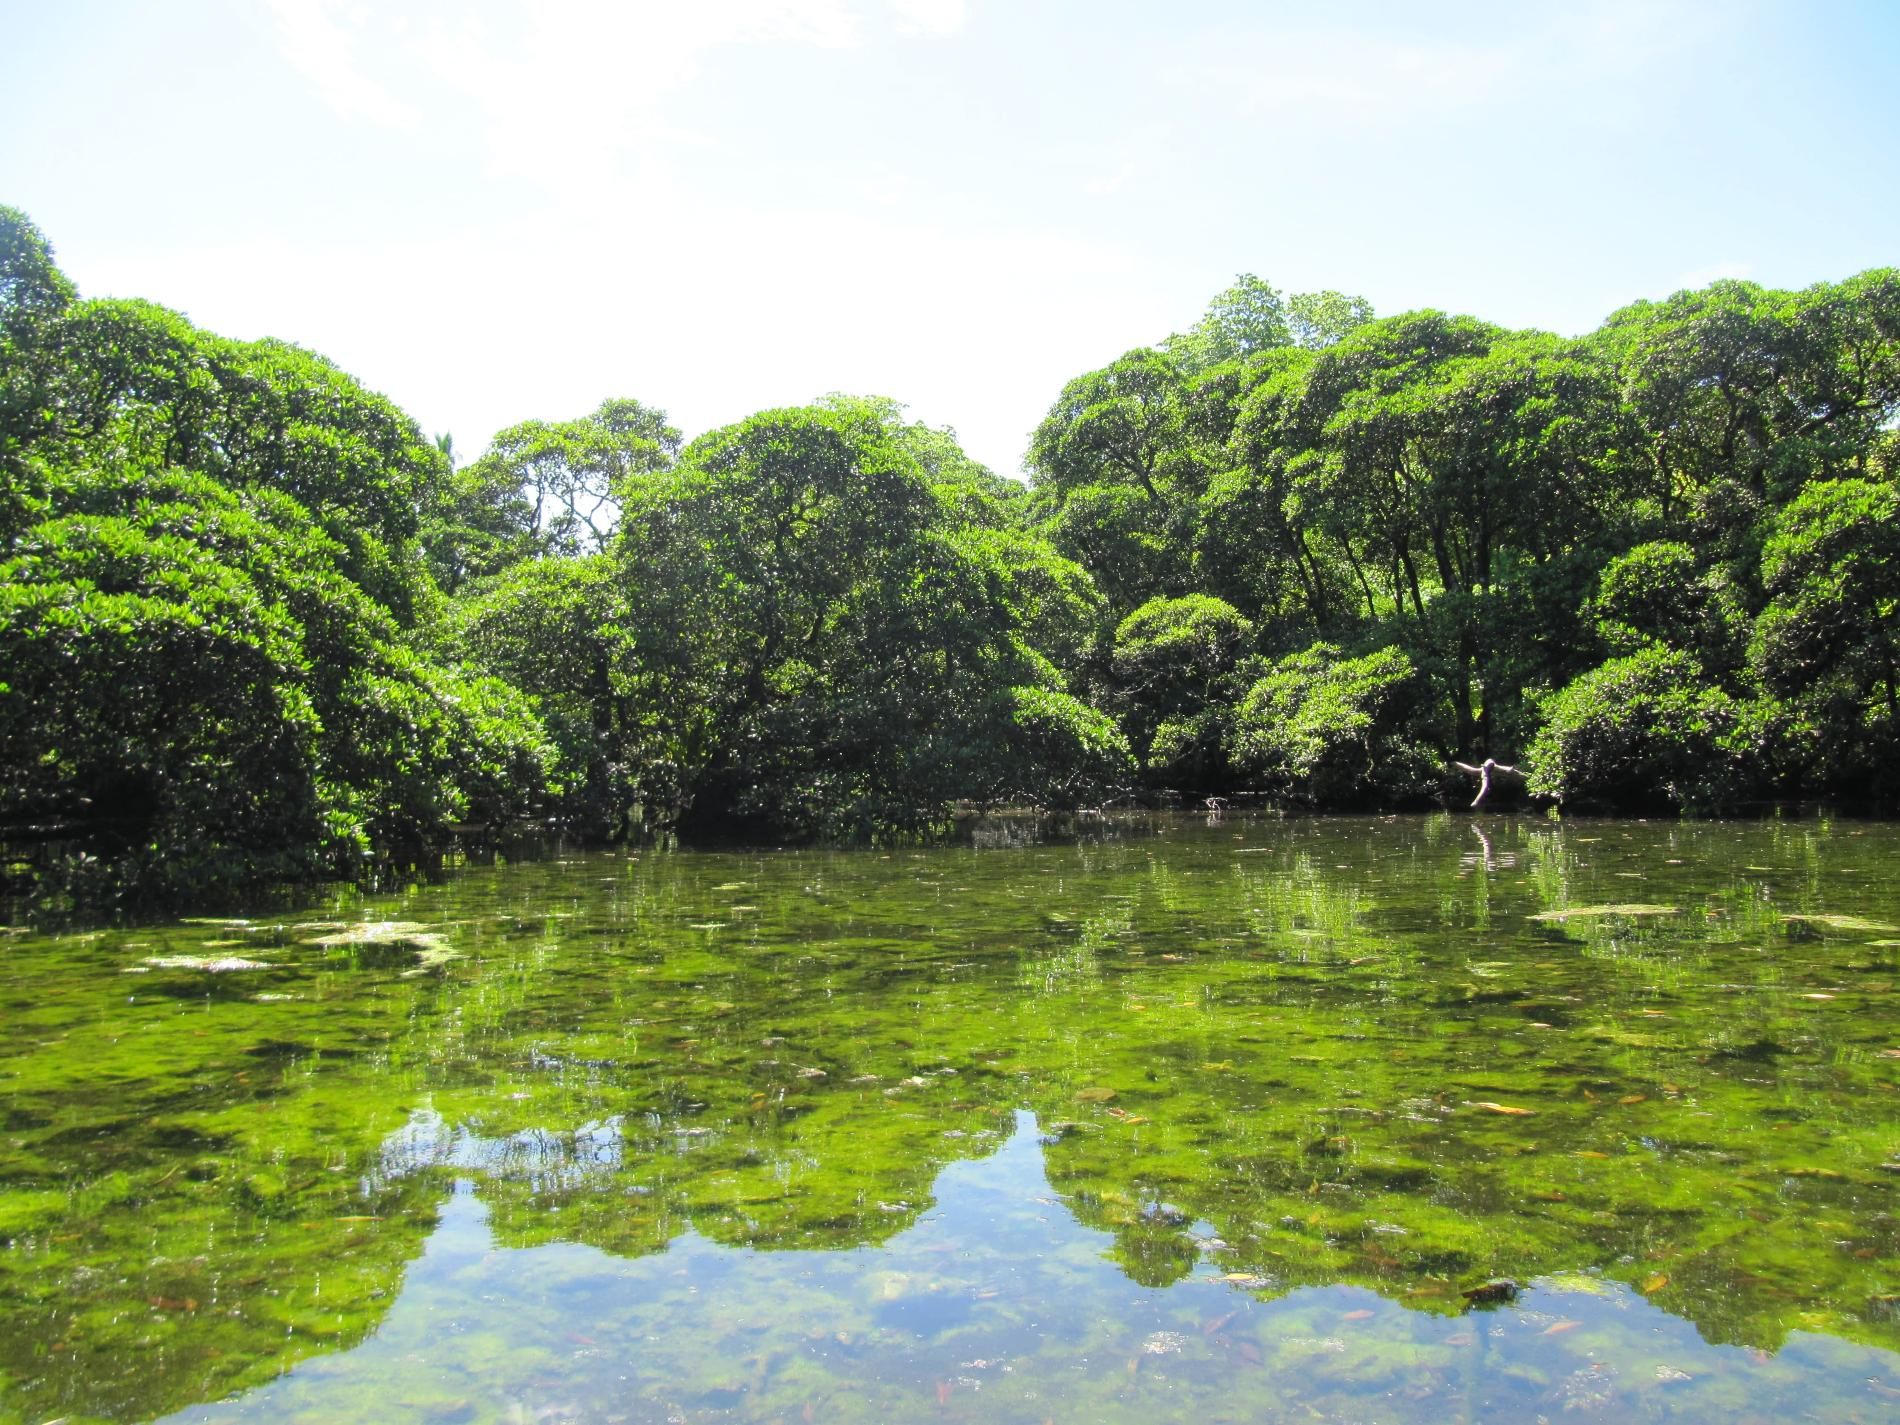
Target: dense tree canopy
{"x": 253, "y": 621}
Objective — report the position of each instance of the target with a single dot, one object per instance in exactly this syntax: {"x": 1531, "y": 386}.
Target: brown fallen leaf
{"x": 1505, "y": 1108}
{"x": 1655, "y": 1284}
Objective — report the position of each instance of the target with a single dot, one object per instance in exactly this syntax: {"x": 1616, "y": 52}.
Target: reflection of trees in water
{"x": 1244, "y": 1042}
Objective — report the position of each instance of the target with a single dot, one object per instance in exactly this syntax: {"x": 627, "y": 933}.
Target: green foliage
{"x": 546, "y": 488}
{"x": 191, "y": 680}
{"x": 1336, "y": 731}
{"x": 1175, "y": 665}
{"x": 1318, "y": 319}
{"x": 1252, "y": 317}
{"x": 1659, "y": 593}
{"x": 1055, "y": 751}
{"x": 254, "y": 618}
{"x": 1247, "y": 318}
{"x": 830, "y": 652}
{"x": 32, "y": 288}
{"x": 482, "y": 523}
{"x": 128, "y": 381}
{"x": 1829, "y": 638}
{"x": 1650, "y": 731}
{"x": 556, "y": 629}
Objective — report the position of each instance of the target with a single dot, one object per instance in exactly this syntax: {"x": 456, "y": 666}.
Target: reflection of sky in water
{"x": 740, "y": 1136}
{"x": 541, "y": 1158}
{"x": 997, "y": 1304}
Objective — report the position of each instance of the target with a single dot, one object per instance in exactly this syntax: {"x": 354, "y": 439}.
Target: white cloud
{"x": 557, "y": 91}
{"x": 315, "y": 38}
{"x": 1346, "y": 75}
{"x": 936, "y": 17}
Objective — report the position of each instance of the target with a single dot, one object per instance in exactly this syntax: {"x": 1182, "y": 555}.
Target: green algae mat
{"x": 1355, "y": 1120}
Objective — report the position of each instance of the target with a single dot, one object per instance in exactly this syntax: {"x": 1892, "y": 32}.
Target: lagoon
{"x": 1397, "y": 1119}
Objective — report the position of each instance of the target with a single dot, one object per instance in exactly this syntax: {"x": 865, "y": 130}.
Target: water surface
{"x": 1241, "y": 1120}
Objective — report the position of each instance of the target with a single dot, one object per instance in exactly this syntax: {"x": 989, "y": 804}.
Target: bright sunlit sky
{"x": 494, "y": 211}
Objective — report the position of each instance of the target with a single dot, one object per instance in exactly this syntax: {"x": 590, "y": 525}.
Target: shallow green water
{"x": 1207, "y": 1124}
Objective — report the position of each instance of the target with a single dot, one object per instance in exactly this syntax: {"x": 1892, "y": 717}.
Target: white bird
{"x": 1483, "y": 774}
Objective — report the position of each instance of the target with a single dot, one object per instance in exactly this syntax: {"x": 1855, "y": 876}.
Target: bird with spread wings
{"x": 1483, "y": 774}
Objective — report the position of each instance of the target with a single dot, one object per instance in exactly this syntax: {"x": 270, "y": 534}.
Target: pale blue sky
{"x": 493, "y": 211}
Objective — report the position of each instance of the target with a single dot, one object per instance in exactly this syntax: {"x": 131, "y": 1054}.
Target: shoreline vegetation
{"x": 255, "y": 625}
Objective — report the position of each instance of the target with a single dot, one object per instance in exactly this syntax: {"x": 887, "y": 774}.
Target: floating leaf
{"x": 1842, "y": 922}
{"x": 1655, "y": 1284}
{"x": 211, "y": 964}
{"x": 1588, "y": 912}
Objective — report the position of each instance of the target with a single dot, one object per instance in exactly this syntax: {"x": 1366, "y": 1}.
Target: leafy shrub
{"x": 191, "y": 681}
{"x": 1059, "y": 751}
{"x": 1829, "y": 638}
{"x": 1660, "y": 593}
{"x": 1175, "y": 663}
{"x": 1650, "y": 731}
{"x": 1338, "y": 731}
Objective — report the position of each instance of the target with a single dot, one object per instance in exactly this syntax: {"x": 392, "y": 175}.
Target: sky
{"x": 496, "y": 210}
